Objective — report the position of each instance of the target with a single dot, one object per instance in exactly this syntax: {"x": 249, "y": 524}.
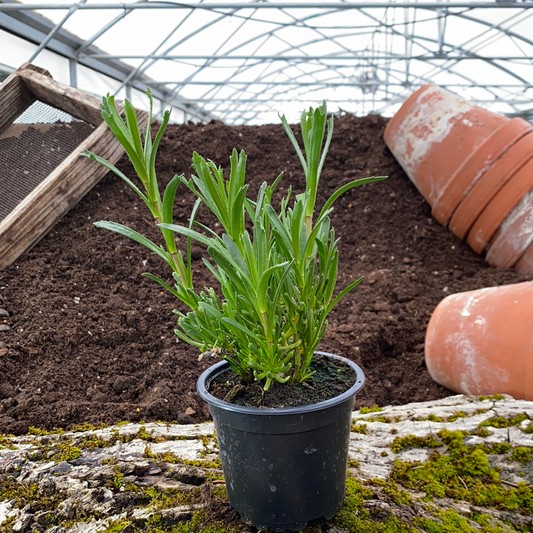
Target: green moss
{"x": 521, "y": 454}
{"x": 356, "y": 494}
{"x": 123, "y": 423}
{"x": 482, "y": 432}
{"x": 352, "y": 463}
{"x": 23, "y": 494}
{"x": 87, "y": 427}
{"x": 109, "y": 461}
{"x": 431, "y": 417}
{"x": 166, "y": 457}
{"x": 498, "y": 448}
{"x": 373, "y": 409}
{"x": 171, "y": 457}
{"x": 393, "y": 431}
{"x": 412, "y": 441}
{"x": 155, "y": 521}
{"x": 92, "y": 442}
{"x": 463, "y": 474}
{"x": 42, "y": 432}
{"x": 383, "y": 419}
{"x": 205, "y": 440}
{"x": 384, "y": 453}
{"x": 6, "y": 442}
{"x": 393, "y": 491}
{"x": 117, "y": 527}
{"x": 494, "y": 398}
{"x": 456, "y": 416}
{"x": 66, "y": 452}
{"x": 143, "y": 434}
{"x": 213, "y": 463}
{"x": 7, "y": 525}
{"x": 448, "y": 522}
{"x": 116, "y": 482}
{"x": 356, "y": 518}
{"x": 359, "y": 428}
{"x": 201, "y": 522}
{"x": 132, "y": 487}
{"x": 500, "y": 422}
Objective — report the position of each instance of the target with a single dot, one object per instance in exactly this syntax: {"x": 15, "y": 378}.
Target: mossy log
{"x": 460, "y": 464}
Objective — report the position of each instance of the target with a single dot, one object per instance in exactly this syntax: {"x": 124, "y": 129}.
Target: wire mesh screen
{"x": 32, "y": 147}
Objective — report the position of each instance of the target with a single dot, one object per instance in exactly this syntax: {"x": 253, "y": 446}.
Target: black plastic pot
{"x": 283, "y": 467}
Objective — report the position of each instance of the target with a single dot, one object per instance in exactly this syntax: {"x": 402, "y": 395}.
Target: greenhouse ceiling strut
{"x": 277, "y": 5}
{"x": 243, "y": 62}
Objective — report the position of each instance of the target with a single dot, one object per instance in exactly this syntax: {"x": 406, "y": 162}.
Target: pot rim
{"x": 214, "y": 370}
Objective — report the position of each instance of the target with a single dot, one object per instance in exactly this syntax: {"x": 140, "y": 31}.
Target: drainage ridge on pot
{"x": 476, "y": 165}
{"x": 434, "y": 133}
{"x": 525, "y": 263}
{"x": 500, "y": 207}
{"x": 284, "y": 467}
{"x": 490, "y": 184}
{"x": 514, "y": 236}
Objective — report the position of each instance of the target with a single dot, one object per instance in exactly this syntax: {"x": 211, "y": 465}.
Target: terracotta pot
{"x": 500, "y": 207}
{"x": 488, "y": 185}
{"x": 481, "y": 342}
{"x": 525, "y": 263}
{"x": 476, "y": 166}
{"x": 435, "y": 135}
{"x": 514, "y": 236}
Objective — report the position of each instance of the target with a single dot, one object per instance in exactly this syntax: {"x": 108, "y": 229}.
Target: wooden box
{"x": 25, "y": 218}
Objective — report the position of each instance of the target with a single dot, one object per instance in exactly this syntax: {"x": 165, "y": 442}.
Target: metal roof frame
{"x": 387, "y": 76}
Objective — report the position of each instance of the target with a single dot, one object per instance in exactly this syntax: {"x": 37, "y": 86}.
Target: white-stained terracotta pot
{"x": 481, "y": 342}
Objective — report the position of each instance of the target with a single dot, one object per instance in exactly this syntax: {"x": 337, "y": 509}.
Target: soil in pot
{"x": 332, "y": 378}
{"x": 90, "y": 340}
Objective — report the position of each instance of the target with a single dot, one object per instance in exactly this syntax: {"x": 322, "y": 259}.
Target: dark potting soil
{"x": 331, "y": 378}
{"x": 90, "y": 340}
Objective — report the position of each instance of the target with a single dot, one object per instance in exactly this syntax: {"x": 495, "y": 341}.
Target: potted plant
{"x": 281, "y": 409}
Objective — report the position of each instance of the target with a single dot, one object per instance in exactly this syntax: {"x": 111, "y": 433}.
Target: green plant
{"x": 276, "y": 270}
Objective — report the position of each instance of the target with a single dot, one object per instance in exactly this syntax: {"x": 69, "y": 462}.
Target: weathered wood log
{"x": 180, "y": 459}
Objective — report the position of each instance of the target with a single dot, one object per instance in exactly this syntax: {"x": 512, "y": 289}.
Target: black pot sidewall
{"x": 283, "y": 467}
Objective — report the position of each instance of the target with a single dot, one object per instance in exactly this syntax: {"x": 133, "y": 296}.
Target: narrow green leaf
{"x": 235, "y": 254}
{"x": 167, "y": 211}
{"x": 192, "y": 219}
{"x": 294, "y": 142}
{"x": 342, "y": 294}
{"x": 133, "y": 127}
{"x": 162, "y": 283}
{"x": 116, "y": 171}
{"x": 187, "y": 232}
{"x": 281, "y": 231}
{"x": 135, "y": 236}
{"x": 236, "y": 325}
{"x": 237, "y": 213}
{"x": 263, "y": 283}
{"x": 168, "y": 199}
{"x": 347, "y": 187}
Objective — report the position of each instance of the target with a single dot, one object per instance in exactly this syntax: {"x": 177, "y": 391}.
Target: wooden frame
{"x": 33, "y": 217}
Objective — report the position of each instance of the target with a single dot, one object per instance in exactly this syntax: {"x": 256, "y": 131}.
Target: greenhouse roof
{"x": 243, "y": 62}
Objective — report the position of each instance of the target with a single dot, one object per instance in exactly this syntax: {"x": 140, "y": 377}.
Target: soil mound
{"x": 92, "y": 341}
